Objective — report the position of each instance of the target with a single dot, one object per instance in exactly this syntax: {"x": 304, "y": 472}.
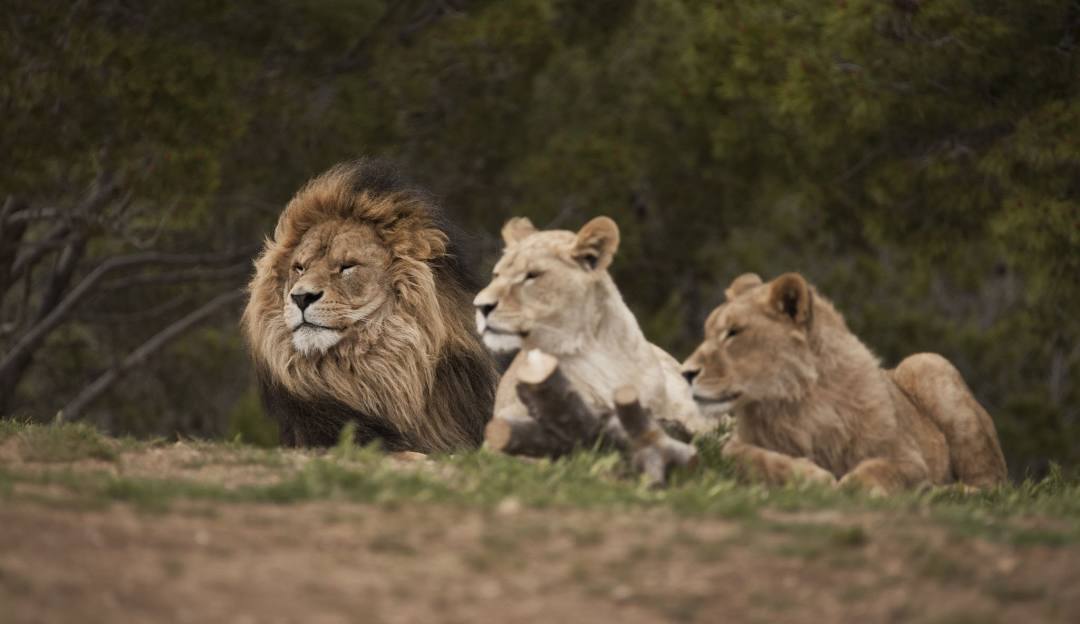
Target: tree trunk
{"x": 652, "y": 451}
{"x": 559, "y": 420}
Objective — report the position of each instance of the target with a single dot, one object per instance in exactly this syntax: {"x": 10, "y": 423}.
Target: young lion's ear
{"x": 517, "y": 229}
{"x": 741, "y": 284}
{"x": 790, "y": 295}
{"x": 596, "y": 243}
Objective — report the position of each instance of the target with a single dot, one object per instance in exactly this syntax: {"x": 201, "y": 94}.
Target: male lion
{"x": 551, "y": 291}
{"x": 359, "y": 313}
{"x": 812, "y": 402}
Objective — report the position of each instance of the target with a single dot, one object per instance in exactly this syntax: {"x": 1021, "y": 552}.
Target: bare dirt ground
{"x": 334, "y": 561}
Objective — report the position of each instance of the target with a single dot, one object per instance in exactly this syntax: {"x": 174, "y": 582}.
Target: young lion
{"x": 551, "y": 291}
{"x": 812, "y": 402}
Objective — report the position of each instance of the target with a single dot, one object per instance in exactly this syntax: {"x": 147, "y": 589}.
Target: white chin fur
{"x": 715, "y": 410}
{"x": 502, "y": 343}
{"x": 310, "y": 340}
{"x": 481, "y": 324}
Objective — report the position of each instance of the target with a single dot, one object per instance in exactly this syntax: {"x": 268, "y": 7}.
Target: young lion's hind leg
{"x": 938, "y": 390}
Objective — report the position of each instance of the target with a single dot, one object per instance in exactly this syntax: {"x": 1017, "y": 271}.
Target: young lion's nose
{"x": 486, "y": 308}
{"x": 303, "y": 300}
{"x": 690, "y": 374}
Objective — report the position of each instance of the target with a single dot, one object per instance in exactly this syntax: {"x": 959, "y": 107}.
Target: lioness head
{"x": 757, "y": 345}
{"x": 547, "y": 286}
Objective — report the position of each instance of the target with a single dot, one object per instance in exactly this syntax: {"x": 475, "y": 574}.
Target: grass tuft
{"x": 63, "y": 443}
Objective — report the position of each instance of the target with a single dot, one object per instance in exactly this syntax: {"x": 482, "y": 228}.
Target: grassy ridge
{"x": 73, "y": 465}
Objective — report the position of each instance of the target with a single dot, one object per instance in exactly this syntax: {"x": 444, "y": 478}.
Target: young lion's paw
{"x": 857, "y": 482}
{"x": 808, "y": 472}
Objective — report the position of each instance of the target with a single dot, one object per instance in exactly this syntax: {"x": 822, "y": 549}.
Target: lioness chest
{"x": 597, "y": 376}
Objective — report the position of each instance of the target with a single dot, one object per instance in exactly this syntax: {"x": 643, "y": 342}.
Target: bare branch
{"x": 653, "y": 452}
{"x": 10, "y": 237}
{"x": 56, "y": 237}
{"x": 178, "y": 277}
{"x": 33, "y": 214}
{"x": 36, "y": 334}
{"x": 141, "y": 314}
{"x": 74, "y": 409}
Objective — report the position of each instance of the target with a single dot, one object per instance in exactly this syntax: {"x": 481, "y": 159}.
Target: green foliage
{"x": 248, "y": 424}
{"x": 919, "y": 162}
{"x": 58, "y": 444}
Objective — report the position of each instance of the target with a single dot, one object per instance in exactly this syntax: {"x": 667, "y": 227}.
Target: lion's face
{"x": 756, "y": 346}
{"x": 338, "y": 278}
{"x": 544, "y": 286}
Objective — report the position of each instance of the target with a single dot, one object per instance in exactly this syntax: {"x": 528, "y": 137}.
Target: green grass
{"x": 59, "y": 444}
{"x": 587, "y": 480}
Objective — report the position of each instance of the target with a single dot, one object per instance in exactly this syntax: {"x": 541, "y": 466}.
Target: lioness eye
{"x": 298, "y": 268}
{"x": 531, "y": 275}
{"x": 734, "y": 331}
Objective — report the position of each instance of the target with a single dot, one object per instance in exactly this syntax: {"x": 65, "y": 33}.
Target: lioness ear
{"x": 741, "y": 284}
{"x": 517, "y": 229}
{"x": 596, "y": 243}
{"x": 790, "y": 295}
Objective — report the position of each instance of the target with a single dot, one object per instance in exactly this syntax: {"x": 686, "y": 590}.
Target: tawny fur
{"x": 551, "y": 291}
{"x": 402, "y": 360}
{"x": 812, "y": 402}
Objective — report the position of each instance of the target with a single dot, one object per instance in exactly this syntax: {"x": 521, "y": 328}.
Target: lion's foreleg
{"x": 756, "y": 463}
{"x": 881, "y": 476}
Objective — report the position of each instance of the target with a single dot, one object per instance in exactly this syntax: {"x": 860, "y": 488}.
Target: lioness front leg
{"x": 880, "y": 476}
{"x": 754, "y": 462}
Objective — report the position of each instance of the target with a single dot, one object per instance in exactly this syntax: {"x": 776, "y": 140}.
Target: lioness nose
{"x": 303, "y": 300}
{"x": 691, "y": 374}
{"x": 486, "y": 308}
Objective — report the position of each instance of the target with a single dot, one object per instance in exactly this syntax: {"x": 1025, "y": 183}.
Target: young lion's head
{"x": 359, "y": 301}
{"x": 759, "y": 345}
{"x": 547, "y": 287}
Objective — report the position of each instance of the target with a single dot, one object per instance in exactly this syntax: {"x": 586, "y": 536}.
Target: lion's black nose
{"x": 486, "y": 308}
{"x": 691, "y": 374}
{"x": 303, "y": 300}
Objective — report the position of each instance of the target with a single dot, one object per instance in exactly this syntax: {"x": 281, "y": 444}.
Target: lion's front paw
{"x": 808, "y": 472}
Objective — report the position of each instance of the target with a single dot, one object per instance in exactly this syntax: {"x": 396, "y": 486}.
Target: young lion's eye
{"x": 298, "y": 268}
{"x": 734, "y": 331}
{"x": 531, "y": 275}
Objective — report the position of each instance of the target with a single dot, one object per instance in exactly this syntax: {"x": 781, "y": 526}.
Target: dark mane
{"x": 378, "y": 176}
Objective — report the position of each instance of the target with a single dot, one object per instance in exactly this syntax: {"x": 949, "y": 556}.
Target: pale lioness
{"x": 551, "y": 291}
{"x": 812, "y": 402}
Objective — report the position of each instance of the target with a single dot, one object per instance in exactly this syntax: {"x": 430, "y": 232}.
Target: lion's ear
{"x": 596, "y": 243}
{"x": 790, "y": 295}
{"x": 517, "y": 229}
{"x": 741, "y": 284}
